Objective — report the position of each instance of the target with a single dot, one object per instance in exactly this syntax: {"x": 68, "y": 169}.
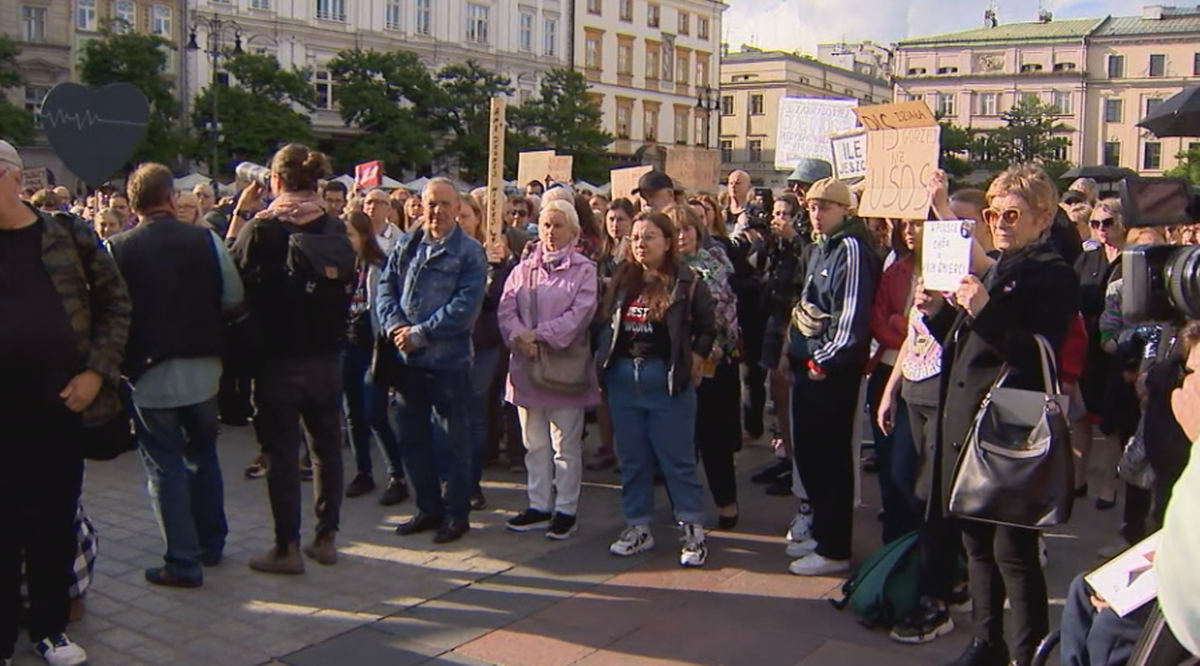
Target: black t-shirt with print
{"x": 640, "y": 337}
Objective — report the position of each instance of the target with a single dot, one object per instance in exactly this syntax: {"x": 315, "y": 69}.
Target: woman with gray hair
{"x": 545, "y": 311}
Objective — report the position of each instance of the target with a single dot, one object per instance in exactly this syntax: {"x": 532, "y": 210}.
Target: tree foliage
{"x": 256, "y": 115}
{"x": 1188, "y": 167}
{"x": 566, "y": 118}
{"x": 1031, "y": 133}
{"x": 141, "y": 60}
{"x": 463, "y": 113}
{"x": 955, "y": 148}
{"x": 16, "y": 125}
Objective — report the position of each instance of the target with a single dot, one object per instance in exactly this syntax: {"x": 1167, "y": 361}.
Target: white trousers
{"x": 553, "y": 457}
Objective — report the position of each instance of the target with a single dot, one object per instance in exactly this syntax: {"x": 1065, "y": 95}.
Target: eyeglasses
{"x": 1105, "y": 224}
{"x": 1010, "y": 216}
{"x": 517, "y": 213}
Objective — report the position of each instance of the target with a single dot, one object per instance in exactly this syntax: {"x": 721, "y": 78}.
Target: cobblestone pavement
{"x": 493, "y": 598}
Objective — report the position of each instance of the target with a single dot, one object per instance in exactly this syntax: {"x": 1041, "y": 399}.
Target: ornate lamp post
{"x": 219, "y": 30}
{"x": 708, "y": 100}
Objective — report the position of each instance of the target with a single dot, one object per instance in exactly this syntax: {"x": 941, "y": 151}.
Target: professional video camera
{"x": 1161, "y": 282}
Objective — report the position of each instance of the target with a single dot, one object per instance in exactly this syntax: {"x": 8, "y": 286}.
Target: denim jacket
{"x": 439, "y": 297}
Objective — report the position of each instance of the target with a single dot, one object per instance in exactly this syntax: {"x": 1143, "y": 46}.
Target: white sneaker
{"x": 801, "y": 528}
{"x": 816, "y": 565}
{"x": 796, "y": 549}
{"x": 694, "y": 551}
{"x": 60, "y": 651}
{"x": 1043, "y": 552}
{"x": 634, "y": 539}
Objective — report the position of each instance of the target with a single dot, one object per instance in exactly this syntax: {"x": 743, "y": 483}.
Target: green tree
{"x": 566, "y": 118}
{"x": 16, "y": 125}
{"x": 256, "y": 115}
{"x": 955, "y": 147}
{"x": 141, "y": 60}
{"x": 463, "y": 114}
{"x": 1031, "y": 133}
{"x": 1188, "y": 167}
{"x": 390, "y": 97}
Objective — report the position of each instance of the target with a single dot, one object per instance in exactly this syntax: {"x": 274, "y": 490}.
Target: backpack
{"x": 884, "y": 589}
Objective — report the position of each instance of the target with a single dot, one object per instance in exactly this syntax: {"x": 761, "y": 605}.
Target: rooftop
{"x": 750, "y": 55}
{"x": 1155, "y": 20}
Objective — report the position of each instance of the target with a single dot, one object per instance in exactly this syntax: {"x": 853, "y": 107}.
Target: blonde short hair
{"x": 567, "y": 210}
{"x": 1114, "y": 208}
{"x": 1031, "y": 183}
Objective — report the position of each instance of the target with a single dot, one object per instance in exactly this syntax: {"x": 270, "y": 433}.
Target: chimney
{"x": 1152, "y": 12}
{"x": 989, "y": 18}
{"x": 1044, "y": 16}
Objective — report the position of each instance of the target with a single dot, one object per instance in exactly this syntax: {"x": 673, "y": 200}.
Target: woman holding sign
{"x": 986, "y": 325}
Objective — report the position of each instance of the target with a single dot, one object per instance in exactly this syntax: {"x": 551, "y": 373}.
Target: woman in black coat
{"x": 991, "y": 322}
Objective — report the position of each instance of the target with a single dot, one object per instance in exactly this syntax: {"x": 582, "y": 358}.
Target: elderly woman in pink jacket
{"x": 545, "y": 311}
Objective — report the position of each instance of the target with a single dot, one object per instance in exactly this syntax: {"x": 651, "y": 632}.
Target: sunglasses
{"x": 1010, "y": 216}
{"x": 1105, "y": 224}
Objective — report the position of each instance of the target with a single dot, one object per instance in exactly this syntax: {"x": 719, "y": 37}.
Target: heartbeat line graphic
{"x": 80, "y": 120}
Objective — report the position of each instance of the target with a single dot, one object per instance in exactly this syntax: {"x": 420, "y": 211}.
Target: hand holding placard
{"x": 945, "y": 253}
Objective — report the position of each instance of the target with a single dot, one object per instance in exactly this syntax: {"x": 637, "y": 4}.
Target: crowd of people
{"x": 328, "y": 317}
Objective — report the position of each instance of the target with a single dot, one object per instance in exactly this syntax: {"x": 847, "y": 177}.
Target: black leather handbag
{"x": 1016, "y": 467}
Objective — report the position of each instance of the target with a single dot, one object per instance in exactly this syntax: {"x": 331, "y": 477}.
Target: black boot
{"x": 980, "y": 653}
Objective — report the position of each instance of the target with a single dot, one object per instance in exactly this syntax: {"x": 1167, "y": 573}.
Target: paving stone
{"x": 364, "y": 647}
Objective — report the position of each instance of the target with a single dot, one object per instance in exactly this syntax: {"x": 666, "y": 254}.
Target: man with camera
{"x": 180, "y": 279}
{"x": 430, "y": 294}
{"x": 748, "y": 232}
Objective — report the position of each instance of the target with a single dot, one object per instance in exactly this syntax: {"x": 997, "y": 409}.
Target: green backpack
{"x": 884, "y": 589}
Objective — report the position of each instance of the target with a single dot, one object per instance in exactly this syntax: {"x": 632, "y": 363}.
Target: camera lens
{"x": 1181, "y": 274}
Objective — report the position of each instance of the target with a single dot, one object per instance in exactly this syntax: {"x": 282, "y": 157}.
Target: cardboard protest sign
{"x": 560, "y": 167}
{"x": 368, "y": 175}
{"x": 945, "y": 253}
{"x": 624, "y": 181}
{"x": 694, "y": 169}
{"x": 95, "y": 131}
{"x": 533, "y": 165}
{"x": 895, "y": 116}
{"x": 849, "y": 155}
{"x": 35, "y": 179}
{"x": 805, "y": 125}
{"x": 494, "y": 217}
{"x": 899, "y": 164}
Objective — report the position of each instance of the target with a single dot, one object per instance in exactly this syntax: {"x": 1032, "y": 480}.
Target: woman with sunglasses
{"x": 987, "y": 323}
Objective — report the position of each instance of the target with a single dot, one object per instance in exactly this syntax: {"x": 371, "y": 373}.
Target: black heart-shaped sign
{"x": 95, "y": 131}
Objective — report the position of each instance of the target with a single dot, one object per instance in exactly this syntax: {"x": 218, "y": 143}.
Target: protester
{"x": 656, "y": 190}
{"x": 714, "y": 223}
{"x": 660, "y": 325}
{"x": 206, "y": 197}
{"x": 1029, "y": 291}
{"x": 301, "y": 320}
{"x": 414, "y": 211}
{"x": 430, "y": 293}
{"x": 187, "y": 207}
{"x": 545, "y": 312}
{"x": 66, "y": 312}
{"x": 173, "y": 361}
{"x": 46, "y": 201}
{"x": 334, "y": 194}
{"x": 107, "y": 223}
{"x": 1088, "y": 188}
{"x": 535, "y": 188}
{"x": 518, "y": 215}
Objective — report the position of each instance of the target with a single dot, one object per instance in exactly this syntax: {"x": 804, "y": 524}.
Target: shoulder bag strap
{"x": 533, "y": 306}
{"x": 1049, "y": 365}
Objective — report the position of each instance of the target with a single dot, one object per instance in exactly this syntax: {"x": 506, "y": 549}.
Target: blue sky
{"x": 800, "y": 24}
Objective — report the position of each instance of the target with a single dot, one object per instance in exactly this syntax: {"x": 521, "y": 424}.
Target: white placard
{"x": 945, "y": 253}
{"x": 1127, "y": 582}
{"x": 849, "y": 155}
{"x": 805, "y": 124}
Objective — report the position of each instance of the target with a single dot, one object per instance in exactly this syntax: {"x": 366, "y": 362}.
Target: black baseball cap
{"x": 653, "y": 181}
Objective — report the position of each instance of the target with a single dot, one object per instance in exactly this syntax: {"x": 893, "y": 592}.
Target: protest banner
{"x": 945, "y": 253}
{"x": 533, "y": 165}
{"x": 368, "y": 175}
{"x": 895, "y": 116}
{"x": 805, "y": 125}
{"x": 494, "y": 216}
{"x": 849, "y": 155}
{"x": 899, "y": 164}
{"x": 35, "y": 179}
{"x": 559, "y": 168}
{"x": 694, "y": 169}
{"x": 622, "y": 182}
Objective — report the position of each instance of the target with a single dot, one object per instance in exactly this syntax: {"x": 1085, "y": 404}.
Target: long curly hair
{"x": 655, "y": 285}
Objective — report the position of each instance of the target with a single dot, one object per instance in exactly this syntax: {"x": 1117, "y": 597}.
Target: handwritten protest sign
{"x": 849, "y": 155}
{"x": 805, "y": 125}
{"x": 895, "y": 116}
{"x": 35, "y": 179}
{"x": 560, "y": 168}
{"x": 368, "y": 175}
{"x": 624, "y": 181}
{"x": 534, "y": 165}
{"x": 694, "y": 169}
{"x": 899, "y": 163}
{"x": 495, "y": 181}
{"x": 945, "y": 253}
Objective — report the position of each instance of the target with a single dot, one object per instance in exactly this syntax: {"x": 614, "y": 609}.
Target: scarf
{"x": 550, "y": 258}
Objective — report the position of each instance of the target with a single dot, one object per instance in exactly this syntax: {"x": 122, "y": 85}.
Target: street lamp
{"x": 219, "y": 30}
{"x": 708, "y": 101}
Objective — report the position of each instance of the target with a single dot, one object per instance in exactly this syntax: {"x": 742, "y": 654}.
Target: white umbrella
{"x": 190, "y": 181}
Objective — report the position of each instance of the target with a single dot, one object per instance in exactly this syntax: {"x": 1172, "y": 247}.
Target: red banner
{"x": 368, "y": 175}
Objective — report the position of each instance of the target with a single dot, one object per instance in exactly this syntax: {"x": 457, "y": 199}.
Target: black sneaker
{"x": 771, "y": 473}
{"x": 528, "y": 520}
{"x": 980, "y": 653}
{"x": 562, "y": 526}
{"x": 960, "y": 599}
{"x": 361, "y": 485}
{"x": 929, "y": 622}
{"x": 478, "y": 501}
{"x": 396, "y": 492}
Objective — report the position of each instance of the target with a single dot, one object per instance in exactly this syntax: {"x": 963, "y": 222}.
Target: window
{"x": 550, "y": 37}
{"x": 988, "y": 104}
{"x": 477, "y": 23}
{"x": 653, "y": 58}
{"x": 1063, "y": 102}
{"x": 264, "y": 5}
{"x": 685, "y": 20}
{"x": 1152, "y": 157}
{"x": 653, "y": 15}
{"x": 755, "y": 150}
{"x": 1031, "y": 67}
{"x": 625, "y": 58}
{"x": 683, "y": 66}
{"x": 591, "y": 52}
{"x": 1112, "y": 153}
{"x": 523, "y": 96}
{"x": 727, "y": 105}
{"x": 624, "y": 120}
{"x": 702, "y": 27}
{"x": 1059, "y": 153}
{"x": 702, "y": 71}
{"x": 527, "y": 33}
{"x": 726, "y": 151}
{"x": 125, "y": 13}
{"x": 160, "y": 21}
{"x": 323, "y": 82}
{"x": 756, "y": 105}
{"x": 331, "y": 10}
{"x": 424, "y": 21}
{"x": 627, "y": 10}
{"x": 593, "y": 6}
{"x": 1113, "y": 110}
{"x": 946, "y": 105}
{"x": 391, "y": 15}
{"x": 33, "y": 102}
{"x": 1152, "y": 105}
{"x": 1196, "y": 64}
{"x": 85, "y": 15}
{"x": 682, "y": 120}
{"x": 1116, "y": 67}
{"x": 1064, "y": 66}
{"x": 947, "y": 70}
{"x": 1158, "y": 64}
{"x": 916, "y": 71}
{"x": 650, "y": 120}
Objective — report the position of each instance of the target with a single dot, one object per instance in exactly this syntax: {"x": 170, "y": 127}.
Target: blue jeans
{"x": 898, "y": 461}
{"x": 649, "y": 424}
{"x": 367, "y": 414}
{"x": 179, "y": 450}
{"x": 483, "y": 371}
{"x": 1097, "y": 638}
{"x": 432, "y": 410}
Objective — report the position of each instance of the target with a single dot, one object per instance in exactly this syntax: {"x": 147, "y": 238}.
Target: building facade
{"x": 867, "y": 57}
{"x": 753, "y": 82}
{"x": 653, "y": 66}
{"x": 42, "y": 30}
{"x": 1102, "y": 75}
